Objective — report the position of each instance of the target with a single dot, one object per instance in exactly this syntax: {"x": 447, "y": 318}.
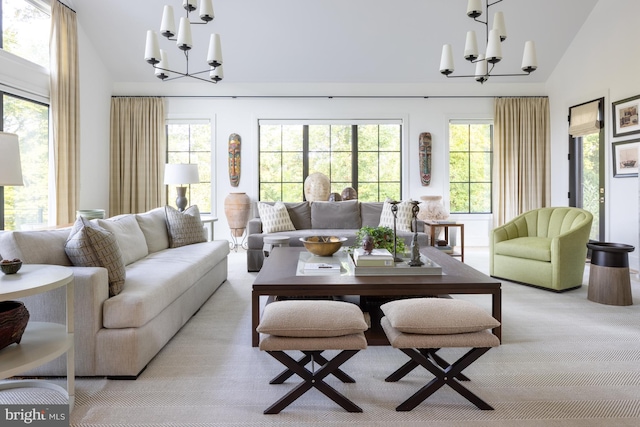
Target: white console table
{"x": 41, "y": 342}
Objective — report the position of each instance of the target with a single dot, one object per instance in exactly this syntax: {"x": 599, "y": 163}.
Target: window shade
{"x": 584, "y": 119}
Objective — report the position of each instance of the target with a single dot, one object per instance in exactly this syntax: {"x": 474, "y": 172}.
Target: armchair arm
{"x": 569, "y": 250}
{"x": 254, "y": 226}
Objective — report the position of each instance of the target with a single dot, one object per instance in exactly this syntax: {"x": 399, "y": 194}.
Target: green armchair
{"x": 545, "y": 247}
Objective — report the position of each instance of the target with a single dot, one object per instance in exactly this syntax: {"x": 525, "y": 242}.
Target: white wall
{"x": 602, "y": 61}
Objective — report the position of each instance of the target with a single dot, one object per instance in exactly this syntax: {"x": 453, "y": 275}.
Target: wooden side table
{"x": 42, "y": 341}
{"x": 446, "y": 225}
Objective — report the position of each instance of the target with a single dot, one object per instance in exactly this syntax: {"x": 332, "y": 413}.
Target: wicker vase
{"x": 237, "y": 207}
{"x": 13, "y": 321}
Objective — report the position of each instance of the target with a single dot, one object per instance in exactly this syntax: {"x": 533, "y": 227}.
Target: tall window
{"x": 190, "y": 142}
{"x": 28, "y": 206}
{"x": 365, "y": 156}
{"x": 470, "y": 164}
{"x": 25, "y": 29}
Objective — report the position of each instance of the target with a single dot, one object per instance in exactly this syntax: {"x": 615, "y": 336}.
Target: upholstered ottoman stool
{"x": 312, "y": 326}
{"x": 419, "y": 327}
{"x": 271, "y": 242}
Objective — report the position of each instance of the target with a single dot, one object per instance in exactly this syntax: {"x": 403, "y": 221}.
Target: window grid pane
{"x": 191, "y": 143}
{"x": 365, "y": 157}
{"x": 470, "y": 168}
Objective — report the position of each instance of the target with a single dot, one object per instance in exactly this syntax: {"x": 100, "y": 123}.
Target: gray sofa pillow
{"x": 300, "y": 214}
{"x": 370, "y": 213}
{"x": 342, "y": 215}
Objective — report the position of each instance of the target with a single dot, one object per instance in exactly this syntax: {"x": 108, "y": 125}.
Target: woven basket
{"x": 13, "y": 321}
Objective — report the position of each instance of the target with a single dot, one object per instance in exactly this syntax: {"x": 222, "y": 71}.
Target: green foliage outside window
{"x": 470, "y": 167}
{"x": 25, "y": 31}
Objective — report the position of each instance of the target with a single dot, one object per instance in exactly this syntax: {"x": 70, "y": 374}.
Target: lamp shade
{"x": 446, "y": 60}
{"x": 184, "y": 40}
{"x": 481, "y": 69}
{"x": 474, "y": 8}
{"x": 494, "y": 50}
{"x": 471, "y": 47}
{"x": 152, "y": 50}
{"x": 529, "y": 58}
{"x": 216, "y": 74}
{"x": 206, "y": 11}
{"x": 168, "y": 23}
{"x": 10, "y": 166}
{"x": 181, "y": 173}
{"x": 214, "y": 55}
{"x": 162, "y": 66}
{"x": 498, "y": 24}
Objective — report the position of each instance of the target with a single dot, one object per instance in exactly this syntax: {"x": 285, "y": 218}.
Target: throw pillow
{"x": 154, "y": 227}
{"x": 90, "y": 245}
{"x": 128, "y": 235}
{"x": 274, "y": 218}
{"x": 311, "y": 318}
{"x": 324, "y": 214}
{"x": 404, "y": 216}
{"x": 184, "y": 228}
{"x": 437, "y": 316}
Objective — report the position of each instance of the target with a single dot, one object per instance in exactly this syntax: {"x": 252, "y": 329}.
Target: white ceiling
{"x": 331, "y": 41}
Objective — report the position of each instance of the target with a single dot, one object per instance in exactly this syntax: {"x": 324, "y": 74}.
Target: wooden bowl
{"x": 323, "y": 245}
{"x": 11, "y": 267}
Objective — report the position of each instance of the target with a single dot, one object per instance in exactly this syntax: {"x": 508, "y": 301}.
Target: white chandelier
{"x": 493, "y": 53}
{"x": 158, "y": 57}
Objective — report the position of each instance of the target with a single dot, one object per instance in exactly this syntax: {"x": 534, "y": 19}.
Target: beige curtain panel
{"x": 138, "y": 151}
{"x": 521, "y": 157}
{"x": 584, "y": 119}
{"x": 65, "y": 110}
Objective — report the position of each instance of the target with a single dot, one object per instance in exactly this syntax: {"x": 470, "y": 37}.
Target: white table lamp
{"x": 10, "y": 167}
{"x": 180, "y": 174}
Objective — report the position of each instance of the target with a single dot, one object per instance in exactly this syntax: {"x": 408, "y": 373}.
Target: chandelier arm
{"x": 450, "y": 76}
{"x": 491, "y": 4}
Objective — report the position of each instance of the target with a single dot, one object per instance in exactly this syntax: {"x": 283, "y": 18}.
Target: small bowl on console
{"x": 323, "y": 245}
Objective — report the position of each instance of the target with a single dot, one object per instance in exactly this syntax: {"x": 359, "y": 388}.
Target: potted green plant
{"x": 382, "y": 239}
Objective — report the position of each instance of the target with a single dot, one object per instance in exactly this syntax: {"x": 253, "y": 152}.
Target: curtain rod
{"x": 325, "y": 96}
{"x": 68, "y": 7}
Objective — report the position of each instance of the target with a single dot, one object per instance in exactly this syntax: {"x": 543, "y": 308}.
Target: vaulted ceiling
{"x": 331, "y": 41}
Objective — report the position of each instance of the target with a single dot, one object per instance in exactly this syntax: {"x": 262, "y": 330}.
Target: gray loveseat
{"x": 117, "y": 336}
{"x": 342, "y": 219}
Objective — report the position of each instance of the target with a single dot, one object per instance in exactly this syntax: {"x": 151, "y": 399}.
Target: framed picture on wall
{"x": 625, "y": 116}
{"x": 625, "y": 158}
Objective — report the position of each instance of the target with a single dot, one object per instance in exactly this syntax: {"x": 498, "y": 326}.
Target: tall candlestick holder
{"x": 394, "y": 211}
{"x": 415, "y": 246}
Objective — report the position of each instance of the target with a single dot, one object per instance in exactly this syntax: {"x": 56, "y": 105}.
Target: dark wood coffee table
{"x": 278, "y": 278}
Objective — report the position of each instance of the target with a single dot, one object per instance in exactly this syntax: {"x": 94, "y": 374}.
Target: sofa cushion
{"x": 404, "y": 216}
{"x": 184, "y": 228}
{"x": 36, "y": 247}
{"x": 128, "y": 235}
{"x": 90, "y": 245}
{"x": 437, "y": 316}
{"x": 336, "y": 215}
{"x": 311, "y": 318}
{"x": 538, "y": 248}
{"x": 370, "y": 213}
{"x": 156, "y": 281}
{"x": 154, "y": 227}
{"x": 274, "y": 217}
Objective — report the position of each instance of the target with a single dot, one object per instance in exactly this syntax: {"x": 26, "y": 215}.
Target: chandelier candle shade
{"x": 10, "y": 167}
{"x": 180, "y": 174}
{"x": 493, "y": 53}
{"x": 184, "y": 41}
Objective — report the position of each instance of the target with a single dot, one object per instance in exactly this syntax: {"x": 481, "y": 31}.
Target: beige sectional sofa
{"x": 341, "y": 219}
{"x": 117, "y": 336}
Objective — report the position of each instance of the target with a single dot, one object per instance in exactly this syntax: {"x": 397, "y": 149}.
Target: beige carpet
{"x": 565, "y": 361}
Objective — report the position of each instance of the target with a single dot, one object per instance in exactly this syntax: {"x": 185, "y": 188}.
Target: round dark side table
{"x": 609, "y": 281}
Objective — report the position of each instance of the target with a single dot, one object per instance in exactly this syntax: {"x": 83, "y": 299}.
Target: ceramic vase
{"x": 432, "y": 209}
{"x": 237, "y": 207}
{"x": 317, "y": 187}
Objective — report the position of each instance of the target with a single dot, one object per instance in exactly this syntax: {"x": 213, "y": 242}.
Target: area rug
{"x": 564, "y": 361}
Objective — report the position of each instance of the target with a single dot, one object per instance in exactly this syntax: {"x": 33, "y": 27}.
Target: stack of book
{"x": 377, "y": 258}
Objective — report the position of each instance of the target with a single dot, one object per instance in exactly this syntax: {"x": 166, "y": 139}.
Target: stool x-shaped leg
{"x": 445, "y": 373}
{"x": 312, "y": 356}
{"x": 312, "y": 379}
